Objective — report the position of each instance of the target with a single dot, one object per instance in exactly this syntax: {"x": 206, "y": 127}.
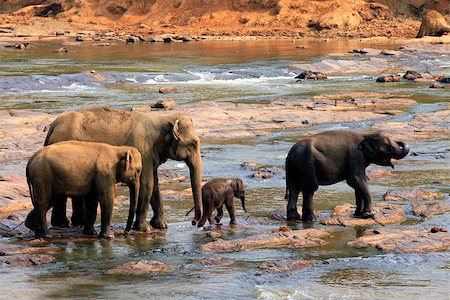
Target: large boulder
{"x": 433, "y": 24}
{"x": 344, "y": 17}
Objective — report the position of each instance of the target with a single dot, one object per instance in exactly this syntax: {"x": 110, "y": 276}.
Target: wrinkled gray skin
{"x": 216, "y": 193}
{"x": 332, "y": 156}
{"x": 74, "y": 169}
{"x": 157, "y": 137}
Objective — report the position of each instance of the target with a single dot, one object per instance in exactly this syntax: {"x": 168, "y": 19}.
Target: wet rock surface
{"x": 410, "y": 195}
{"x": 277, "y": 238}
{"x": 428, "y": 210}
{"x": 26, "y": 260}
{"x": 384, "y": 213}
{"x": 140, "y": 268}
{"x": 287, "y": 265}
{"x": 14, "y": 193}
{"x": 405, "y": 240}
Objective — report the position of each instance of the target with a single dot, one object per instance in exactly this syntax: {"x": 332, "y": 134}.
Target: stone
{"x": 445, "y": 80}
{"x": 436, "y": 85}
{"x": 277, "y": 238}
{"x": 140, "y": 267}
{"x": 164, "y": 104}
{"x": 384, "y": 213}
{"x": 216, "y": 261}
{"x": 79, "y": 38}
{"x": 155, "y": 40}
{"x": 420, "y": 240}
{"x": 391, "y": 78}
{"x": 390, "y": 53}
{"x": 410, "y": 195}
{"x": 311, "y": 75}
{"x": 286, "y": 265}
{"x": 433, "y": 24}
{"x": 168, "y": 39}
{"x": 14, "y": 193}
{"x": 427, "y": 210}
{"x": 25, "y": 260}
{"x": 61, "y": 50}
{"x": 165, "y": 90}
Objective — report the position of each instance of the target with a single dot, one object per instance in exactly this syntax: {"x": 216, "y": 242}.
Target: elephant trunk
{"x": 402, "y": 152}
{"x": 243, "y": 202}
{"x": 134, "y": 194}
{"x": 195, "y": 171}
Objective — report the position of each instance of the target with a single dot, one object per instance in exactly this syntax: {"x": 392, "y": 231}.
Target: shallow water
{"x": 252, "y": 71}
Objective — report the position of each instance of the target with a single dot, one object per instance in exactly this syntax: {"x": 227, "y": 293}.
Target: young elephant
{"x": 215, "y": 193}
{"x": 332, "y": 156}
{"x": 74, "y": 169}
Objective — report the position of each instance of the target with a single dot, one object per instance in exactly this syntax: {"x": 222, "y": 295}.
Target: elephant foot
{"x": 293, "y": 215}
{"x": 308, "y": 217}
{"x": 158, "y": 223}
{"x": 232, "y": 222}
{"x": 42, "y": 234}
{"x": 217, "y": 219}
{"x": 29, "y": 222}
{"x": 60, "y": 222}
{"x": 106, "y": 235}
{"x": 89, "y": 231}
{"x": 141, "y": 226}
{"x": 367, "y": 215}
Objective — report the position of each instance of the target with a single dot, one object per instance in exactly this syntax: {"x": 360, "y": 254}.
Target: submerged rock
{"x": 404, "y": 240}
{"x": 216, "y": 261}
{"x": 384, "y": 213}
{"x": 311, "y": 75}
{"x": 165, "y": 90}
{"x": 25, "y": 260}
{"x": 164, "y": 104}
{"x": 140, "y": 267}
{"x": 427, "y": 210}
{"x": 391, "y": 78}
{"x": 281, "y": 237}
{"x": 410, "y": 195}
{"x": 261, "y": 171}
{"x": 287, "y": 265}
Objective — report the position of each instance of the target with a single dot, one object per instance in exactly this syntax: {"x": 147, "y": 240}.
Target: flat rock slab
{"x": 14, "y": 193}
{"x": 427, "y": 210}
{"x": 216, "y": 261}
{"x": 286, "y": 265}
{"x": 405, "y": 240}
{"x": 347, "y": 66}
{"x": 384, "y": 213}
{"x": 25, "y": 260}
{"x": 277, "y": 238}
{"x": 410, "y": 195}
{"x": 140, "y": 268}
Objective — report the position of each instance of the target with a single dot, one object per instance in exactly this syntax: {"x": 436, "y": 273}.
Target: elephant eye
{"x": 390, "y": 149}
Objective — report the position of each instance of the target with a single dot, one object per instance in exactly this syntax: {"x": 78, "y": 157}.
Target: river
{"x": 237, "y": 71}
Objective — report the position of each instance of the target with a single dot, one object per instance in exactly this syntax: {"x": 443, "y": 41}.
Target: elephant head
{"x": 185, "y": 145}
{"x": 129, "y": 171}
{"x": 238, "y": 191}
{"x": 380, "y": 149}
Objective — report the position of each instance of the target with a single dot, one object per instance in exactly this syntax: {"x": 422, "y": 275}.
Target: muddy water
{"x": 127, "y": 76}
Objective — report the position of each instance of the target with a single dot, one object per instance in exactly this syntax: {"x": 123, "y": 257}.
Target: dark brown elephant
{"x": 332, "y": 156}
{"x": 74, "y": 169}
{"x": 156, "y": 136}
{"x": 216, "y": 193}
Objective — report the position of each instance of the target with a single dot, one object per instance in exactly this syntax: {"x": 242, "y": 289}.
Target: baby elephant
{"x": 215, "y": 193}
{"x": 74, "y": 169}
{"x": 332, "y": 156}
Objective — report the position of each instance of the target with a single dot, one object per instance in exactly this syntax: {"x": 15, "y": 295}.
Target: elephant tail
{"x": 190, "y": 211}
{"x": 286, "y": 195}
{"x": 49, "y": 134}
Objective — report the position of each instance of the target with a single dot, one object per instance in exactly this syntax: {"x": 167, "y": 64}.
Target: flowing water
{"x": 237, "y": 71}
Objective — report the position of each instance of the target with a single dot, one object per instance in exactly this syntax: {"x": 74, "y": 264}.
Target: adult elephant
{"x": 332, "y": 156}
{"x": 157, "y": 137}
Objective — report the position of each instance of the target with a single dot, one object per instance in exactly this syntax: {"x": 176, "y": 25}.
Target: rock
{"x": 25, "y": 260}
{"x": 384, "y": 213}
{"x": 311, "y": 75}
{"x": 132, "y": 39}
{"x": 14, "y": 193}
{"x": 437, "y": 86}
{"x": 427, "y": 210}
{"x": 216, "y": 261}
{"x": 164, "y": 104}
{"x": 165, "y": 90}
{"x": 79, "y": 38}
{"x": 155, "y": 40}
{"x": 262, "y": 175}
{"x": 390, "y": 53}
{"x": 261, "y": 171}
{"x": 139, "y": 268}
{"x": 13, "y": 249}
{"x": 168, "y": 39}
{"x": 103, "y": 44}
{"x": 61, "y": 50}
{"x": 433, "y": 24}
{"x": 343, "y": 17}
{"x": 410, "y": 195}
{"x": 378, "y": 173}
{"x": 445, "y": 80}
{"x": 391, "y": 78}
{"x": 286, "y": 265}
{"x": 168, "y": 176}
{"x": 277, "y": 238}
{"x": 420, "y": 240}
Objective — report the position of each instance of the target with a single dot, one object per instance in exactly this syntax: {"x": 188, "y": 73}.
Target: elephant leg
{"x": 30, "y": 222}
{"x": 78, "y": 211}
{"x": 292, "y": 212}
{"x": 145, "y": 194}
{"x": 207, "y": 212}
{"x": 157, "y": 220}
{"x": 219, "y": 214}
{"x": 359, "y": 205}
{"x": 59, "y": 218}
{"x": 229, "y": 204}
{"x": 91, "y": 204}
{"x": 307, "y": 209}
{"x": 362, "y": 190}
{"x": 106, "y": 206}
{"x": 40, "y": 221}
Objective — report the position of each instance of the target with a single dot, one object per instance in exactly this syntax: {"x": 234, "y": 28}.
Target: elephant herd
{"x": 88, "y": 151}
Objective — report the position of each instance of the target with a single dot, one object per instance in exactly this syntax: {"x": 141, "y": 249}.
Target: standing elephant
{"x": 332, "y": 156}
{"x": 217, "y": 192}
{"x": 77, "y": 169}
{"x": 157, "y": 137}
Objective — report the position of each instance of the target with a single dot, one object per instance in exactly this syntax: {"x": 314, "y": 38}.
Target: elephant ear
{"x": 176, "y": 130}
{"x": 129, "y": 159}
{"x": 368, "y": 147}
